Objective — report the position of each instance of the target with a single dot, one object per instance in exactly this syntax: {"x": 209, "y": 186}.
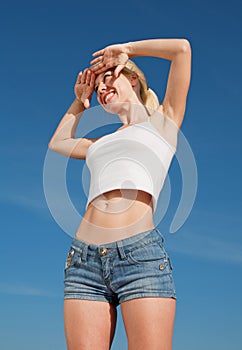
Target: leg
{"x": 89, "y": 324}
{"x": 149, "y": 323}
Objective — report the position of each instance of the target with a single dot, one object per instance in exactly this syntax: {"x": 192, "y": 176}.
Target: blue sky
{"x": 43, "y": 46}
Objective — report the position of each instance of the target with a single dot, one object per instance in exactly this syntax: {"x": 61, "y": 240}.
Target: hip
{"x": 138, "y": 266}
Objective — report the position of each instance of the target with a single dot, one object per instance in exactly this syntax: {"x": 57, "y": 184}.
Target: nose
{"x": 101, "y": 88}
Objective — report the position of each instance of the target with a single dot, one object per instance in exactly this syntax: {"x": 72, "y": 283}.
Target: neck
{"x": 132, "y": 113}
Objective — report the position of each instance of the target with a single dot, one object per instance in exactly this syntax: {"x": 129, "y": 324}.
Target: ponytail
{"x": 151, "y": 101}
{"x": 148, "y": 96}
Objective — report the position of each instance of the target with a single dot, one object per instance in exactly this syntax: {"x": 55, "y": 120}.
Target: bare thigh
{"x": 89, "y": 324}
{"x": 149, "y": 323}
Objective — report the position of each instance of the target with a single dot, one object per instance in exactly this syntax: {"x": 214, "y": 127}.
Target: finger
{"x": 88, "y": 77}
{"x": 79, "y": 78}
{"x": 99, "y": 68}
{"x": 98, "y": 53}
{"x": 84, "y": 76}
{"x": 118, "y": 70}
{"x": 96, "y": 60}
{"x": 92, "y": 80}
{"x": 96, "y": 66}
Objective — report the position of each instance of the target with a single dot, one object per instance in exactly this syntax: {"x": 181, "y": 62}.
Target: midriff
{"x": 116, "y": 215}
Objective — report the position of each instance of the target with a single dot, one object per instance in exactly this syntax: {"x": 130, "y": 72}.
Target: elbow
{"x": 51, "y": 145}
{"x": 185, "y": 46}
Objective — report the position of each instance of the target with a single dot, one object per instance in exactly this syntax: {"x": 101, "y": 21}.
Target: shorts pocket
{"x": 148, "y": 253}
{"x": 170, "y": 264}
{"x": 73, "y": 258}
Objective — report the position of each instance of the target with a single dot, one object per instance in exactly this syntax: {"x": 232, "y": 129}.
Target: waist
{"x": 128, "y": 244}
{"x": 120, "y": 204}
{"x": 115, "y": 199}
{"x": 116, "y": 215}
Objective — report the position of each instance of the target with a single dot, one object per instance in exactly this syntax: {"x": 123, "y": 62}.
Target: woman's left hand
{"x": 111, "y": 56}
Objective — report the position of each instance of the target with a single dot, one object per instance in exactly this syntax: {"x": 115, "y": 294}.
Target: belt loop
{"x": 121, "y": 250}
{"x": 84, "y": 253}
{"x": 161, "y": 235}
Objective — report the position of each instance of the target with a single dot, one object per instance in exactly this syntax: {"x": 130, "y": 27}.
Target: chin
{"x": 116, "y": 107}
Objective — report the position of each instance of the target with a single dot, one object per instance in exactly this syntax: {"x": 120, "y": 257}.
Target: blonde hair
{"x": 148, "y": 96}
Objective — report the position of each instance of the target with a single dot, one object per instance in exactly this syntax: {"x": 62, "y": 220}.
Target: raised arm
{"x": 63, "y": 140}
{"x": 178, "y": 51}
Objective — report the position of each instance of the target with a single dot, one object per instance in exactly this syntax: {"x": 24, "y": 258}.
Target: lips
{"x": 107, "y": 96}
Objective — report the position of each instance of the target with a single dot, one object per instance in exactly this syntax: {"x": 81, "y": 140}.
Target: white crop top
{"x": 135, "y": 157}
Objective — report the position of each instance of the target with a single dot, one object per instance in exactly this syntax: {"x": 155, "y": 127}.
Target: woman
{"x": 117, "y": 255}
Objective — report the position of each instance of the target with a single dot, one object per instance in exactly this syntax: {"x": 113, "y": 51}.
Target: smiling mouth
{"x": 108, "y": 96}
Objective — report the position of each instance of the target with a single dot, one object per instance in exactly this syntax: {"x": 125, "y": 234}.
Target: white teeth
{"x": 108, "y": 97}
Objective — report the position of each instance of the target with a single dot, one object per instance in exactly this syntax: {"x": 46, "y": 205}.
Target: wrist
{"x": 79, "y": 103}
{"x": 128, "y": 49}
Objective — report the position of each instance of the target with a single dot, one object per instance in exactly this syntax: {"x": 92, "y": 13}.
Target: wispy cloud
{"x": 26, "y": 201}
{"x": 212, "y": 248}
{"x": 25, "y": 290}
{"x": 36, "y": 203}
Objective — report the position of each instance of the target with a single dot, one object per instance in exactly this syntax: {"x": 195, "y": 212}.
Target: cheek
{"x": 126, "y": 87}
{"x": 125, "y": 91}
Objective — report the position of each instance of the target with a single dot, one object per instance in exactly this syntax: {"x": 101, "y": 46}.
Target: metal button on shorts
{"x": 103, "y": 251}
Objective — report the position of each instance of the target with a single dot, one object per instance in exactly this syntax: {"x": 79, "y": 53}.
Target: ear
{"x": 134, "y": 80}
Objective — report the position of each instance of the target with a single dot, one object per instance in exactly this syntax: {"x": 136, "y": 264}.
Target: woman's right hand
{"x": 84, "y": 87}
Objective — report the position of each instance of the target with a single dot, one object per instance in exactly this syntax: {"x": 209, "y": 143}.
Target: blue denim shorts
{"x": 135, "y": 267}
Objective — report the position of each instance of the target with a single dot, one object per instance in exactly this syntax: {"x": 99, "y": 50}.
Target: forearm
{"x": 161, "y": 48}
{"x": 68, "y": 124}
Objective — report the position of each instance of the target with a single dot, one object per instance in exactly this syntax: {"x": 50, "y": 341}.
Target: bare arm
{"x": 178, "y": 51}
{"x": 63, "y": 141}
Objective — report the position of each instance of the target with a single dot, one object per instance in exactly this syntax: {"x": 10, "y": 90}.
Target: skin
{"x": 148, "y": 321}
{"x": 132, "y": 209}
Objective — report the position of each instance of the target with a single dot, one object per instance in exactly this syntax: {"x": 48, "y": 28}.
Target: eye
{"x": 106, "y": 76}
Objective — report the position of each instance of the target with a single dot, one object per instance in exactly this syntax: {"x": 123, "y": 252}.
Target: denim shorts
{"x": 135, "y": 267}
